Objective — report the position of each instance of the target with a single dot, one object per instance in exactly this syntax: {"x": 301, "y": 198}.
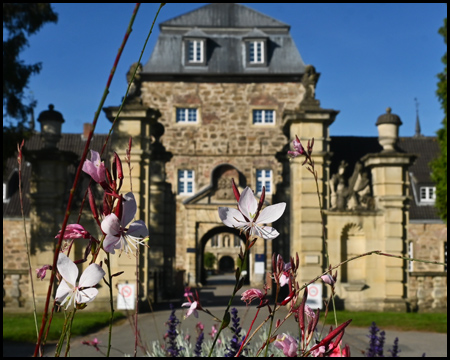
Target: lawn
{"x": 20, "y": 327}
{"x": 432, "y": 322}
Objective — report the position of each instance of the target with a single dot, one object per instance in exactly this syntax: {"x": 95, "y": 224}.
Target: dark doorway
{"x": 226, "y": 264}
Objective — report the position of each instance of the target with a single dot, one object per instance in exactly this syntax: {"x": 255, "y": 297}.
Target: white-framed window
{"x": 445, "y": 256}
{"x": 237, "y": 241}
{"x": 263, "y": 178}
{"x": 226, "y": 241}
{"x": 5, "y": 196}
{"x": 427, "y": 194}
{"x": 410, "y": 255}
{"x": 215, "y": 241}
{"x": 187, "y": 115}
{"x": 195, "y": 51}
{"x": 256, "y": 52}
{"x": 185, "y": 182}
{"x": 260, "y": 117}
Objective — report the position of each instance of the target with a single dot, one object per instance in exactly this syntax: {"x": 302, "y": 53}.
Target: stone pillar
{"x": 48, "y": 187}
{"x": 309, "y": 121}
{"x": 390, "y": 190}
{"x": 152, "y": 193}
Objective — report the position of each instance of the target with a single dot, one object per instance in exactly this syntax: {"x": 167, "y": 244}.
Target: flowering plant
{"x": 119, "y": 232}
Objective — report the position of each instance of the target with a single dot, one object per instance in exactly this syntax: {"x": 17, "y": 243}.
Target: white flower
{"x": 68, "y": 291}
{"x": 249, "y": 218}
{"x": 117, "y": 235}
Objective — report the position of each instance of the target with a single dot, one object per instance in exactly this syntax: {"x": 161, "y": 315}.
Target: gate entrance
{"x": 220, "y": 247}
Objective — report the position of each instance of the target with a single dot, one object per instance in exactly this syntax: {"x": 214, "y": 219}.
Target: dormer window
{"x": 427, "y": 194}
{"x": 256, "y": 48}
{"x": 194, "y": 48}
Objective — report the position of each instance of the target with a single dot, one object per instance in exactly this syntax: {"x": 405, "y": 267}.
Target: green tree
{"x": 19, "y": 21}
{"x": 439, "y": 165}
{"x": 209, "y": 260}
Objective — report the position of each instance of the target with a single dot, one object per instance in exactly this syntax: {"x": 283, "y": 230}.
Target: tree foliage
{"x": 20, "y": 20}
{"x": 209, "y": 260}
{"x": 439, "y": 165}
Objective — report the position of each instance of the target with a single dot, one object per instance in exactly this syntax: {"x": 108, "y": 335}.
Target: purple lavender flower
{"x": 198, "y": 345}
{"x": 395, "y": 350}
{"x": 374, "y": 343}
{"x": 173, "y": 350}
{"x": 236, "y": 340}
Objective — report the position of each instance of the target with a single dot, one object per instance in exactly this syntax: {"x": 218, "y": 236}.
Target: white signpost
{"x": 314, "y": 300}
{"x": 126, "y": 298}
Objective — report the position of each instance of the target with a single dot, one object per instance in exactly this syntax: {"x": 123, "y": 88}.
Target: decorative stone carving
{"x": 135, "y": 88}
{"x": 309, "y": 81}
{"x": 224, "y": 190}
{"x": 353, "y": 193}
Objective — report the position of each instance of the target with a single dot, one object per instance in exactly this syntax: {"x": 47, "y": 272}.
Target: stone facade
{"x": 16, "y": 279}
{"x": 427, "y": 283}
{"x": 364, "y": 184}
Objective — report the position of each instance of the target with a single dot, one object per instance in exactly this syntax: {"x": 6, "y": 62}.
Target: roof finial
{"x": 417, "y": 134}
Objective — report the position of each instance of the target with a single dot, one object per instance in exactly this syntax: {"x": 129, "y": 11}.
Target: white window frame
{"x": 264, "y": 177}
{"x": 256, "y": 51}
{"x": 183, "y": 115}
{"x": 267, "y": 116}
{"x": 411, "y": 255}
{"x": 186, "y": 178}
{"x": 427, "y": 194}
{"x": 198, "y": 52}
{"x": 5, "y": 192}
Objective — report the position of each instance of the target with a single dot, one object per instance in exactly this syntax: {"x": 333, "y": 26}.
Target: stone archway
{"x": 224, "y": 242}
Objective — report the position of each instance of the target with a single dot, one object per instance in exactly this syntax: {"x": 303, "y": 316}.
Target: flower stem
{"x": 76, "y": 180}
{"x": 111, "y": 302}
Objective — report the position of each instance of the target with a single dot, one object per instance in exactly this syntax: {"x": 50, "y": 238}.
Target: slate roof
{"x": 426, "y": 149}
{"x": 226, "y": 26}
{"x": 224, "y": 15}
{"x": 69, "y": 142}
{"x": 353, "y": 148}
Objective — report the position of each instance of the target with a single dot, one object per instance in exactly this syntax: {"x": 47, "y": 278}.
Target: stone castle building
{"x": 222, "y": 97}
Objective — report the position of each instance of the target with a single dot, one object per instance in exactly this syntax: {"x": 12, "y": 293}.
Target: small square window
{"x": 186, "y": 115}
{"x": 185, "y": 182}
{"x": 428, "y": 194}
{"x": 263, "y": 178}
{"x": 263, "y": 117}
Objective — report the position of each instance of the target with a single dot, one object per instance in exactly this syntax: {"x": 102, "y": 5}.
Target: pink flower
{"x": 328, "y": 279}
{"x": 41, "y": 272}
{"x": 338, "y": 352}
{"x": 249, "y": 218}
{"x": 93, "y": 343}
{"x": 298, "y": 148}
{"x": 187, "y": 292}
{"x": 288, "y": 344}
{"x": 249, "y": 295}
{"x": 74, "y": 231}
{"x": 213, "y": 331}
{"x": 192, "y": 308}
{"x": 117, "y": 235}
{"x": 95, "y": 168}
{"x": 68, "y": 291}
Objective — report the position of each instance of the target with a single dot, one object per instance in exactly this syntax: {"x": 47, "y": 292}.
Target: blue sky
{"x": 370, "y": 56}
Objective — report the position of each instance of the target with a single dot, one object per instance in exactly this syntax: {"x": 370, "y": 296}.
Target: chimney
{"x": 87, "y": 128}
